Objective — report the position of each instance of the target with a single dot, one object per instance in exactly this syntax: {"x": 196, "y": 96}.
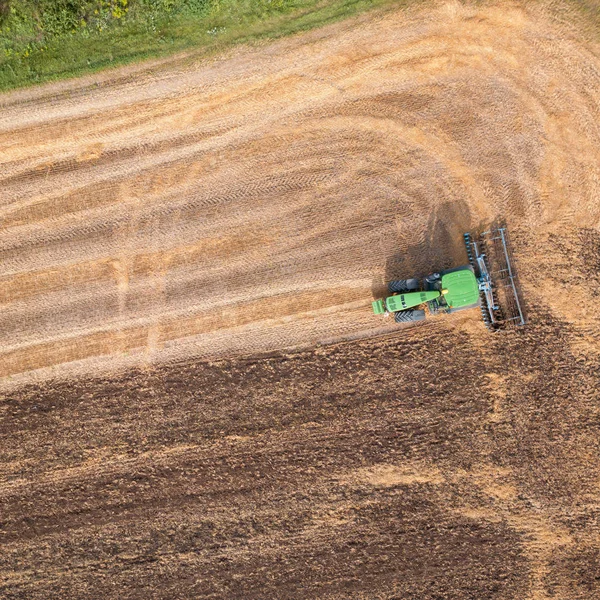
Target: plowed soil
{"x": 162, "y": 224}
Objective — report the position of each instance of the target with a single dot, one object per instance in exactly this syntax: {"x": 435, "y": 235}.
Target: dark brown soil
{"x": 416, "y": 466}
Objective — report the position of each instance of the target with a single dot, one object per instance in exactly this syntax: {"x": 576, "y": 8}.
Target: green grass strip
{"x": 44, "y": 40}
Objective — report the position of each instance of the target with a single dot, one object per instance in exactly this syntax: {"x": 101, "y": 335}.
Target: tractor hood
{"x": 462, "y": 287}
{"x": 409, "y": 300}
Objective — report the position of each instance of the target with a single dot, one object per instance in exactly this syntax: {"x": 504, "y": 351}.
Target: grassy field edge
{"x": 132, "y": 41}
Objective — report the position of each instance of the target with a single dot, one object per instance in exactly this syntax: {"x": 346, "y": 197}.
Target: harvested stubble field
{"x": 163, "y": 223}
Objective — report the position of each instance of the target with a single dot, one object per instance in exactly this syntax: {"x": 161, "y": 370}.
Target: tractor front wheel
{"x": 406, "y": 316}
{"x": 399, "y": 286}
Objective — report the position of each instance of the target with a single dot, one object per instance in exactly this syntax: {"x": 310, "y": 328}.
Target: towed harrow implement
{"x": 488, "y": 254}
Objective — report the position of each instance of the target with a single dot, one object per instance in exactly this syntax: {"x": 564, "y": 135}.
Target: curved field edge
{"x": 225, "y": 24}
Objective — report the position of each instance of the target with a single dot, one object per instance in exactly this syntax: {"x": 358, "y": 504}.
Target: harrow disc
{"x": 469, "y": 247}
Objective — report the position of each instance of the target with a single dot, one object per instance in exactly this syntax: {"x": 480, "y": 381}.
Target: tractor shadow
{"x": 379, "y": 287}
{"x": 441, "y": 247}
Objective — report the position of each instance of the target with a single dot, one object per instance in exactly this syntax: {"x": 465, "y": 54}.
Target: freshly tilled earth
{"x": 187, "y": 248}
{"x": 408, "y": 467}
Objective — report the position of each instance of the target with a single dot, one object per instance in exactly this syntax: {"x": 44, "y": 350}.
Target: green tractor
{"x": 476, "y": 284}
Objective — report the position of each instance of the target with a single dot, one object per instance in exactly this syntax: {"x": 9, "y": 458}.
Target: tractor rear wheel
{"x": 406, "y": 316}
{"x": 399, "y": 286}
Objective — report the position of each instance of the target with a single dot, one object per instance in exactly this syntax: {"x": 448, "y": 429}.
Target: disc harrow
{"x": 489, "y": 255}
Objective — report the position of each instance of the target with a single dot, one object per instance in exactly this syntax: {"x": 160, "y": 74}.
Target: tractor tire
{"x": 406, "y": 316}
{"x": 400, "y": 286}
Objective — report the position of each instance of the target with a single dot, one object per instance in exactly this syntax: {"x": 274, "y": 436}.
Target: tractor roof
{"x": 462, "y": 287}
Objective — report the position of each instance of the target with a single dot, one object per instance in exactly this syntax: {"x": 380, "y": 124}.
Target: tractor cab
{"x": 461, "y": 289}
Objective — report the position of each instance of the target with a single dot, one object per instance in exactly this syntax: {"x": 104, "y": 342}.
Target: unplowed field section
{"x": 258, "y": 201}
